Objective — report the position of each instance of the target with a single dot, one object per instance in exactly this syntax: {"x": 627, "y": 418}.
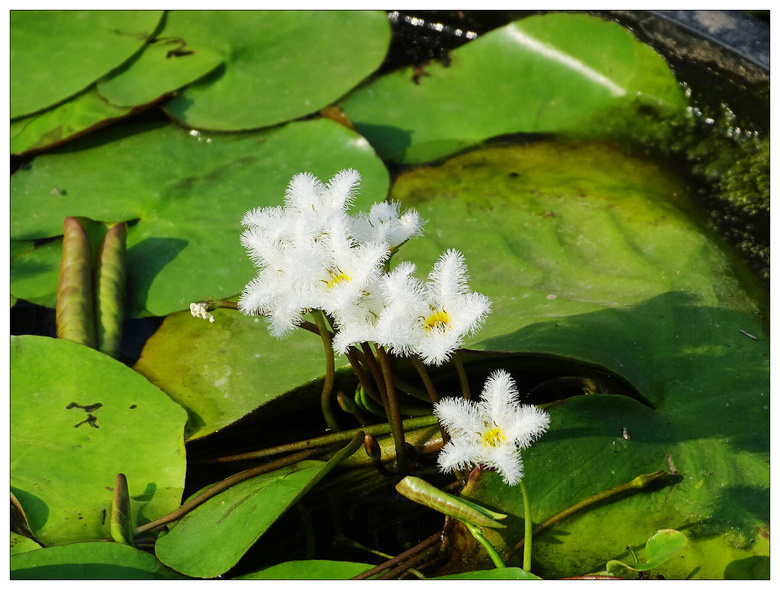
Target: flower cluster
{"x": 312, "y": 255}
{"x": 491, "y": 432}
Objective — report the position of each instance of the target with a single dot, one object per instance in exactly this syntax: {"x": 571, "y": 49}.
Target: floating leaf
{"x": 279, "y": 65}
{"x": 166, "y": 65}
{"x": 221, "y": 371}
{"x": 189, "y": 192}
{"x": 312, "y": 569}
{"x": 541, "y": 74}
{"x": 659, "y": 549}
{"x": 82, "y": 113}
{"x": 210, "y": 540}
{"x": 56, "y": 54}
{"x": 101, "y": 418}
{"x": 89, "y": 561}
{"x": 505, "y": 573}
{"x": 22, "y": 544}
{"x": 591, "y": 255}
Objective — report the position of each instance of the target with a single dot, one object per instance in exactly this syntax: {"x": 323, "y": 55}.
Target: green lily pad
{"x": 659, "y": 549}
{"x": 591, "y": 255}
{"x": 34, "y": 271}
{"x": 166, "y": 65}
{"x": 101, "y": 418}
{"x": 506, "y": 573}
{"x": 22, "y": 544}
{"x": 89, "y": 561}
{"x": 65, "y": 121}
{"x": 56, "y": 54}
{"x": 311, "y": 569}
{"x": 542, "y": 74}
{"x": 188, "y": 192}
{"x": 223, "y": 370}
{"x": 212, "y": 538}
{"x": 279, "y": 65}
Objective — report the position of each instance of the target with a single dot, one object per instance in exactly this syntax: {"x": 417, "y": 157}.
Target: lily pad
{"x": 591, "y": 255}
{"x": 659, "y": 549}
{"x": 311, "y": 569}
{"x": 221, "y": 371}
{"x": 186, "y": 193}
{"x": 89, "y": 561}
{"x": 101, "y": 418}
{"x": 541, "y": 74}
{"x": 166, "y": 65}
{"x": 22, "y": 544}
{"x": 212, "y": 538}
{"x": 279, "y": 65}
{"x": 67, "y": 120}
{"x": 56, "y": 54}
{"x": 506, "y": 573}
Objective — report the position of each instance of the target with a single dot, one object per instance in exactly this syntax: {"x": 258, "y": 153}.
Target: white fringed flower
{"x": 430, "y": 319}
{"x": 492, "y": 431}
{"x": 385, "y": 223}
{"x": 308, "y": 257}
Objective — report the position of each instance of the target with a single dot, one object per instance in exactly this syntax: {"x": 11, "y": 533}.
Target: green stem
{"x": 394, "y": 413}
{"x": 376, "y": 372}
{"x": 464, "y": 381}
{"x": 221, "y": 486}
{"x": 637, "y": 484}
{"x": 330, "y": 371}
{"x": 360, "y": 373}
{"x": 328, "y": 439}
{"x": 491, "y": 551}
{"x": 426, "y": 378}
{"x": 529, "y": 528}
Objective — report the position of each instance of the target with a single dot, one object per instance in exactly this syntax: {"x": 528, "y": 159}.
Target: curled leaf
{"x": 75, "y": 303}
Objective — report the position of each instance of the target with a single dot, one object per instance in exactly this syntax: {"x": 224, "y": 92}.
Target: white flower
{"x": 491, "y": 432}
{"x": 385, "y": 223}
{"x": 306, "y": 255}
{"x": 430, "y": 319}
{"x": 199, "y": 310}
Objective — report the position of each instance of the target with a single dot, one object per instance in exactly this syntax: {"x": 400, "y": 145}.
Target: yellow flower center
{"x": 438, "y": 320}
{"x": 337, "y": 279}
{"x": 493, "y": 437}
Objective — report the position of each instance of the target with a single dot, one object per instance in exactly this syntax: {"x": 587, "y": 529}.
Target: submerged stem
{"x": 491, "y": 551}
{"x": 328, "y": 439}
{"x": 330, "y": 370}
{"x": 408, "y": 554}
{"x": 221, "y": 486}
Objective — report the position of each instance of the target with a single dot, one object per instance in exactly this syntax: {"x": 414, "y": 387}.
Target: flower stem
{"x": 491, "y": 551}
{"x": 328, "y": 439}
{"x": 330, "y": 370}
{"x": 221, "y": 486}
{"x": 354, "y": 361}
{"x": 529, "y": 527}
{"x": 464, "y": 381}
{"x": 637, "y": 484}
{"x": 394, "y": 413}
{"x": 432, "y": 393}
{"x": 213, "y": 304}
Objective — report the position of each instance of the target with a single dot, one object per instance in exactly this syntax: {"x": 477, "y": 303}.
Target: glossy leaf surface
{"x": 590, "y": 255}
{"x": 100, "y": 418}
{"x": 89, "y": 561}
{"x": 313, "y": 569}
{"x": 541, "y": 74}
{"x": 56, "y": 53}
{"x": 279, "y": 65}
{"x": 198, "y": 546}
{"x": 188, "y": 192}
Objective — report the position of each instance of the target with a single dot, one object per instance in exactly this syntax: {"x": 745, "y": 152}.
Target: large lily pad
{"x": 211, "y": 539}
{"x": 56, "y": 54}
{"x": 590, "y": 255}
{"x": 279, "y": 65}
{"x": 166, "y": 65}
{"x": 188, "y": 192}
{"x": 311, "y": 569}
{"x": 99, "y": 419}
{"x": 89, "y": 561}
{"x": 65, "y": 121}
{"x": 542, "y": 74}
{"x": 221, "y": 371}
